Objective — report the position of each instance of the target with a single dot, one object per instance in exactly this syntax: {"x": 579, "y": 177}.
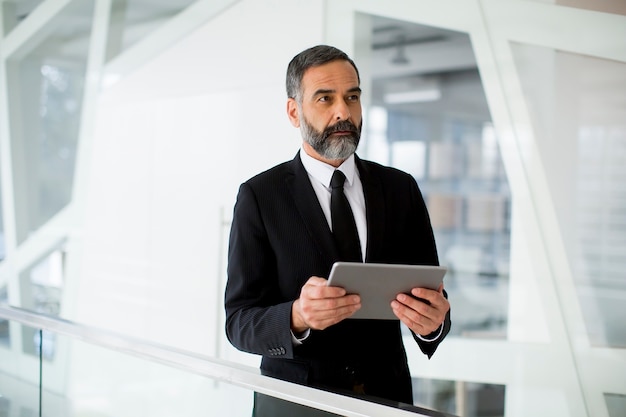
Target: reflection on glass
{"x": 38, "y": 343}
{"x": 467, "y": 399}
{"x": 19, "y": 380}
{"x": 15, "y": 11}
{"x": 5, "y": 335}
{"x": 18, "y": 397}
{"x": 616, "y": 404}
{"x": 429, "y": 117}
{"x": 132, "y": 20}
{"x": 89, "y": 379}
{"x": 605, "y": 6}
{"x": 2, "y": 241}
{"x": 45, "y": 89}
{"x": 581, "y": 133}
{"x": 42, "y": 285}
{"x": 41, "y": 289}
{"x": 108, "y": 383}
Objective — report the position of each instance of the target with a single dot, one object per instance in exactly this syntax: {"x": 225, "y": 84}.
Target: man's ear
{"x": 292, "y": 112}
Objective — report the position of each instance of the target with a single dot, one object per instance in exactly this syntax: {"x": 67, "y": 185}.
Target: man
{"x": 283, "y": 245}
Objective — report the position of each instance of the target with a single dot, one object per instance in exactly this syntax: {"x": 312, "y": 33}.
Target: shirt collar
{"x": 323, "y": 172}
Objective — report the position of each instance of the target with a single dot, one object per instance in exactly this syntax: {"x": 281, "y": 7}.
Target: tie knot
{"x": 337, "y": 180}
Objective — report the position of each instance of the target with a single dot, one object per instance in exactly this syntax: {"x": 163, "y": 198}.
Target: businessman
{"x": 287, "y": 232}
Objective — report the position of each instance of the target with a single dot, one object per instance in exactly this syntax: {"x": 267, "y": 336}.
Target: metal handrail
{"x": 210, "y": 367}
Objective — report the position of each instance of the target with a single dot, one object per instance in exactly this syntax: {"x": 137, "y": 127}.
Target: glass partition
{"x": 95, "y": 372}
{"x": 2, "y": 234}
{"x": 605, "y": 6}
{"x": 15, "y": 11}
{"x": 132, "y": 20}
{"x": 467, "y": 399}
{"x": 136, "y": 387}
{"x": 5, "y": 334}
{"x": 616, "y": 404}
{"x": 428, "y": 116}
{"x": 41, "y": 285}
{"x": 19, "y": 374}
{"x": 45, "y": 90}
{"x": 578, "y": 123}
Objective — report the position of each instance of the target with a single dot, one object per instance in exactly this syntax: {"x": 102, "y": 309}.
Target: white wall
{"x": 173, "y": 142}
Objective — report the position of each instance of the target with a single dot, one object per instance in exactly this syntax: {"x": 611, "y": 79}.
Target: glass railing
{"x": 53, "y": 367}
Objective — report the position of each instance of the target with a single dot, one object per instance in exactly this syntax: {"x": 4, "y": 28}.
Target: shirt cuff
{"x": 297, "y": 340}
{"x": 430, "y": 338}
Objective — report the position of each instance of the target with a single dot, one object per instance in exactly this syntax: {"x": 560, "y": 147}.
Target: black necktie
{"x": 344, "y": 226}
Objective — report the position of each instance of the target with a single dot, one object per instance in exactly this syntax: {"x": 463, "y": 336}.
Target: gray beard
{"x": 332, "y": 147}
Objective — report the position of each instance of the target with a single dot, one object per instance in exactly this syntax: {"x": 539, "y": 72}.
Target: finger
{"x": 321, "y": 293}
{"x": 418, "y": 312}
{"x": 404, "y": 314}
{"x": 328, "y": 305}
{"x": 337, "y": 305}
{"x": 320, "y": 314}
{"x": 416, "y": 322}
{"x": 316, "y": 281}
{"x": 436, "y": 299}
{"x": 431, "y": 296}
{"x": 316, "y": 288}
{"x": 419, "y": 306}
{"x": 435, "y": 311}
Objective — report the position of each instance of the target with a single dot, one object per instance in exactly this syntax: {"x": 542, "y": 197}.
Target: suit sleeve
{"x": 256, "y": 320}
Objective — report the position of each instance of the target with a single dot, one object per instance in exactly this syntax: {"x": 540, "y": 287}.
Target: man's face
{"x": 329, "y": 115}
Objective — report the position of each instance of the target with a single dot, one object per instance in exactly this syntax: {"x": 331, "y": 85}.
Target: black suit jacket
{"x": 280, "y": 237}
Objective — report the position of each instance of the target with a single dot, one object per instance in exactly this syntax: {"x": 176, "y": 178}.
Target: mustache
{"x": 341, "y": 126}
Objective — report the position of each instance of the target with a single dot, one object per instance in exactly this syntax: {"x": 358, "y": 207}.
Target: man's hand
{"x": 420, "y": 316}
{"x": 320, "y": 306}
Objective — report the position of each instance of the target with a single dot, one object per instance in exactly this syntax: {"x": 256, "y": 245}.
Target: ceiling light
{"x": 400, "y": 56}
{"x": 413, "y": 96}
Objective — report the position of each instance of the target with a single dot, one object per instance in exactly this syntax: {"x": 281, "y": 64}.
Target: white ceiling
{"x": 434, "y": 56}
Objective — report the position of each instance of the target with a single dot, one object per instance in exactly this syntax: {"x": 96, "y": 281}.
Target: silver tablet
{"x": 378, "y": 284}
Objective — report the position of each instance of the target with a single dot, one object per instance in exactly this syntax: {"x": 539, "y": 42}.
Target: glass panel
{"x": 616, "y": 404}
{"x": 105, "y": 382}
{"x": 428, "y": 116}
{"x": 575, "y": 109}
{"x": 42, "y": 285}
{"x": 132, "y": 386}
{"x": 3, "y": 253}
{"x": 468, "y": 399}
{"x": 84, "y": 379}
{"x": 132, "y": 20}
{"x": 19, "y": 379}
{"x": 41, "y": 289}
{"x": 45, "y": 97}
{"x": 14, "y": 11}
{"x": 5, "y": 335}
{"x": 606, "y": 6}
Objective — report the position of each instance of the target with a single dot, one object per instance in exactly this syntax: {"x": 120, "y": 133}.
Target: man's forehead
{"x": 330, "y": 76}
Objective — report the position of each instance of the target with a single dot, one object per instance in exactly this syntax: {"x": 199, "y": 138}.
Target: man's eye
{"x": 354, "y": 97}
{"x": 324, "y": 99}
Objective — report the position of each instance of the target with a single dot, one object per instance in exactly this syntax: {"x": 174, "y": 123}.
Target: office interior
{"x": 127, "y": 126}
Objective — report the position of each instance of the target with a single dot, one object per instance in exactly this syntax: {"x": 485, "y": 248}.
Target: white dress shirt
{"x": 320, "y": 174}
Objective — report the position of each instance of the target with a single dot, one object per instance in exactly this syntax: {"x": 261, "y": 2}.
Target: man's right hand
{"x": 321, "y": 306}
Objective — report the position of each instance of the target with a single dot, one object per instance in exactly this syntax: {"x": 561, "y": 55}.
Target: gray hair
{"x": 312, "y": 57}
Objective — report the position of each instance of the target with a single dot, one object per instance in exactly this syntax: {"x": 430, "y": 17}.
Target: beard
{"x": 332, "y": 147}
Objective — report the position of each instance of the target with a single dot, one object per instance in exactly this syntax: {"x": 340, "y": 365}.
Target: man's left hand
{"x": 424, "y": 312}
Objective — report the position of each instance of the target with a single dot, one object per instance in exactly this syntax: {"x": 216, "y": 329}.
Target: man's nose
{"x": 342, "y": 111}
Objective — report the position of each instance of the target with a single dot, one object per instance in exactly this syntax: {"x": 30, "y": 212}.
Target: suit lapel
{"x": 374, "y": 209}
{"x": 304, "y": 196}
